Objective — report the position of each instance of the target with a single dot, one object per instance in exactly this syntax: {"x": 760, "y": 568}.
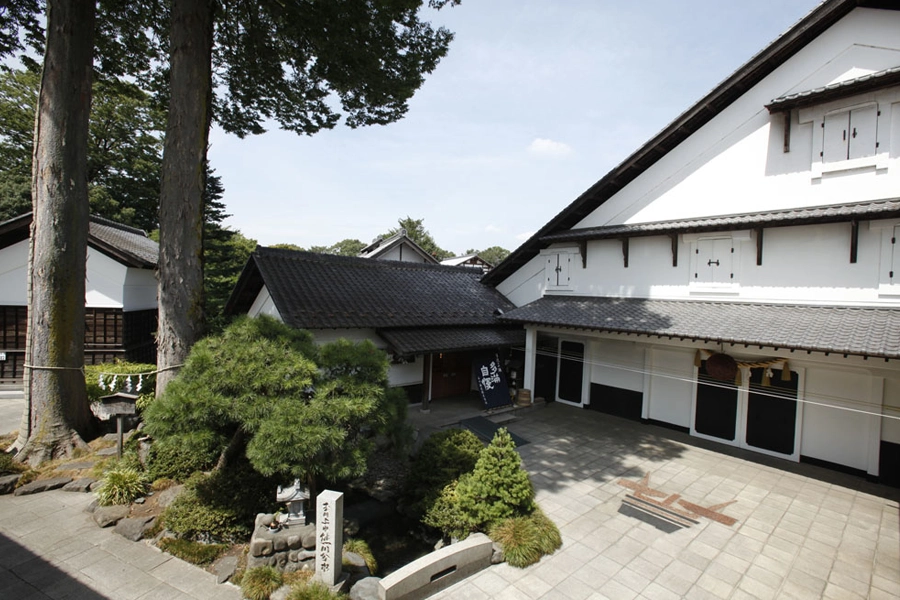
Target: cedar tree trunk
{"x": 58, "y": 412}
{"x": 181, "y": 194}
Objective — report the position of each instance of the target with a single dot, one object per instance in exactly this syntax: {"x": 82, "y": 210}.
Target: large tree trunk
{"x": 180, "y": 203}
{"x": 58, "y": 412}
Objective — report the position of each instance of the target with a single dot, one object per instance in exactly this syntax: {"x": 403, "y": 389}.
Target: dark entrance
{"x": 545, "y": 367}
{"x": 772, "y": 412}
{"x": 716, "y": 407}
{"x": 571, "y": 371}
{"x": 451, "y": 374}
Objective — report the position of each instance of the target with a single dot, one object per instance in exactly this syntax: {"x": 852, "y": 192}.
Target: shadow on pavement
{"x": 26, "y": 576}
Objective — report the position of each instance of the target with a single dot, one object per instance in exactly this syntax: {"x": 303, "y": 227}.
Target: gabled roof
{"x": 872, "y": 332}
{"x": 127, "y": 245}
{"x": 319, "y": 291}
{"x": 835, "y": 213}
{"x": 383, "y": 245}
{"x": 755, "y": 70}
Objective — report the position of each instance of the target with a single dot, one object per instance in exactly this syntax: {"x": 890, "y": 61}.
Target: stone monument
{"x": 330, "y": 539}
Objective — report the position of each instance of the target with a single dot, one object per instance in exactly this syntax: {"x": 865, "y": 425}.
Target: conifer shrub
{"x": 258, "y": 583}
{"x": 498, "y": 488}
{"x": 179, "y": 456}
{"x": 445, "y": 513}
{"x": 440, "y": 461}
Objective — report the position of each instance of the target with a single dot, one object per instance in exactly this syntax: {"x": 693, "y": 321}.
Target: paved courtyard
{"x": 800, "y": 531}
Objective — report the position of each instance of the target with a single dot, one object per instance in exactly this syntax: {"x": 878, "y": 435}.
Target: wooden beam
{"x": 854, "y": 240}
{"x": 674, "y": 238}
{"x": 759, "y": 245}
{"x": 582, "y": 248}
{"x": 787, "y": 131}
{"x": 625, "y": 251}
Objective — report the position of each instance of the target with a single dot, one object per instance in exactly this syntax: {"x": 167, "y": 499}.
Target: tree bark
{"x": 180, "y": 204}
{"x": 59, "y": 415}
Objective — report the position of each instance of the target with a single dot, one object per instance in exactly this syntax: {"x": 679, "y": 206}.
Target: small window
{"x": 850, "y": 134}
{"x": 556, "y": 269}
{"x": 714, "y": 261}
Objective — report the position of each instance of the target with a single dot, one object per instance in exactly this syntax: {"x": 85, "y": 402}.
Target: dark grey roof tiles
{"x": 874, "y": 209}
{"x": 130, "y": 244}
{"x": 319, "y": 291}
{"x": 422, "y": 340}
{"x": 871, "y": 332}
{"x": 871, "y": 81}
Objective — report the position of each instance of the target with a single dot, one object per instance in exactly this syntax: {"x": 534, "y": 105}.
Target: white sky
{"x": 535, "y": 102}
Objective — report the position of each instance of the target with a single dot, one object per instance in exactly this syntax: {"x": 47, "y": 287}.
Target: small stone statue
{"x": 294, "y": 496}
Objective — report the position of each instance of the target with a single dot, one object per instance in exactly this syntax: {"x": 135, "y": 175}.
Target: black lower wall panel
{"x": 889, "y": 465}
{"x": 616, "y": 401}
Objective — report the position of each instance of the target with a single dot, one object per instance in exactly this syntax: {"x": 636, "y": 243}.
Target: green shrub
{"x": 360, "y": 547}
{"x": 193, "y": 552}
{"x": 121, "y": 485}
{"x": 440, "y": 461}
{"x": 396, "y": 428}
{"x": 221, "y": 506}
{"x": 526, "y": 539}
{"x": 114, "y": 377}
{"x": 313, "y": 591}
{"x": 178, "y": 456}
{"x": 258, "y": 583}
{"x": 498, "y": 488}
{"x": 445, "y": 514}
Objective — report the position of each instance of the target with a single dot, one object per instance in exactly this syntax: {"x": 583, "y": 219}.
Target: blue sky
{"x": 536, "y": 101}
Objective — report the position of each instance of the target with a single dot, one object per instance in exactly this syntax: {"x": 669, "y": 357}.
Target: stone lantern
{"x": 294, "y": 496}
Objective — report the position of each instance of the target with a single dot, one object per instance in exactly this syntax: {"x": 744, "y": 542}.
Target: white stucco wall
{"x": 264, "y": 305}
{"x": 617, "y": 364}
{"x": 671, "y": 385}
{"x": 14, "y": 274}
{"x": 108, "y": 283}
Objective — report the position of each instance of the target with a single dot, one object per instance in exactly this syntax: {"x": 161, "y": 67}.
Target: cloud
{"x": 524, "y": 236}
{"x": 545, "y": 147}
{"x": 493, "y": 229}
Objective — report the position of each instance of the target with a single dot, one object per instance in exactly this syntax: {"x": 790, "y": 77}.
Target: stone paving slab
{"x": 801, "y": 531}
{"x": 51, "y": 549}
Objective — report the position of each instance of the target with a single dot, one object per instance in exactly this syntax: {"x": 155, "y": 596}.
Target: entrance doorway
{"x": 451, "y": 374}
{"x": 570, "y": 383}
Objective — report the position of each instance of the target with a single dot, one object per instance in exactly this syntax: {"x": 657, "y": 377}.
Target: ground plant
{"x": 360, "y": 547}
{"x": 258, "y": 583}
{"x": 313, "y": 590}
{"x": 121, "y": 485}
{"x": 443, "y": 457}
{"x": 192, "y": 552}
{"x": 525, "y": 539}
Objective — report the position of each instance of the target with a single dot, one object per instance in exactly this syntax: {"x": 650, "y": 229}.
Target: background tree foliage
{"x": 494, "y": 255}
{"x": 415, "y": 230}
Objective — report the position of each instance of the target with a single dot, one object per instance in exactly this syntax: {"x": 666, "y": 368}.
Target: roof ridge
{"x": 360, "y": 261}
{"x": 116, "y": 225}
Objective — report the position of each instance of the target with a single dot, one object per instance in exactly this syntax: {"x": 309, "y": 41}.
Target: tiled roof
{"x": 841, "y": 89}
{"x": 319, "y": 291}
{"x": 875, "y": 209}
{"x": 421, "y": 340}
{"x": 686, "y": 124}
{"x": 383, "y": 245}
{"x": 871, "y": 332}
{"x": 125, "y": 244}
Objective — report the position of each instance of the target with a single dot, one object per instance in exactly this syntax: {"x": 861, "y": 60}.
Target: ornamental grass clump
{"x": 192, "y": 552}
{"x": 121, "y": 485}
{"x": 313, "y": 590}
{"x": 526, "y": 539}
{"x": 258, "y": 583}
{"x": 360, "y": 547}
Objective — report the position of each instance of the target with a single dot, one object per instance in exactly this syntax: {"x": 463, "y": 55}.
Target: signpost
{"x": 118, "y": 405}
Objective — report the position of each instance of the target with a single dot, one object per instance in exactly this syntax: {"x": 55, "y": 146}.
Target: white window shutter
{"x": 861, "y": 135}
{"x": 835, "y": 137}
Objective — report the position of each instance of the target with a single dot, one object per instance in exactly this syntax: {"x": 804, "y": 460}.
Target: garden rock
{"x": 497, "y": 555}
{"x": 107, "y": 451}
{"x": 354, "y": 563}
{"x": 105, "y": 516}
{"x": 82, "y": 485}
{"x": 90, "y": 508}
{"x": 225, "y": 568}
{"x": 167, "y": 496}
{"x": 77, "y": 466}
{"x": 365, "y": 589}
{"x": 42, "y": 486}
{"x": 281, "y": 593}
{"x": 8, "y": 483}
{"x": 133, "y": 528}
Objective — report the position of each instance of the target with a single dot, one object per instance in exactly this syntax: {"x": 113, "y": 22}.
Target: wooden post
{"x": 426, "y": 384}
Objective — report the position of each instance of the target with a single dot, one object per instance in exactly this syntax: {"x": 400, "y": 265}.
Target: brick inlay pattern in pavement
{"x": 51, "y": 549}
{"x": 801, "y": 531}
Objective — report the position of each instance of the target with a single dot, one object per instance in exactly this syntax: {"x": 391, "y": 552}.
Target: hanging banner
{"x": 491, "y": 381}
